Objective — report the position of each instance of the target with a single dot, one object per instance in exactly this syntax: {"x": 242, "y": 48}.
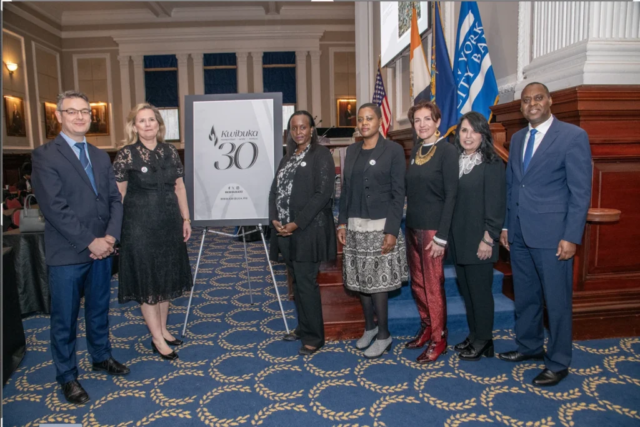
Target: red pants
{"x": 427, "y": 282}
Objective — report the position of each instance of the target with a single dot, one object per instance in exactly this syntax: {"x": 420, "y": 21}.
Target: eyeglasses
{"x": 74, "y": 113}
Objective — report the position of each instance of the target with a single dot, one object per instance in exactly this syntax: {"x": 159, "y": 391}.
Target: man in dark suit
{"x": 548, "y": 196}
{"x": 77, "y": 193}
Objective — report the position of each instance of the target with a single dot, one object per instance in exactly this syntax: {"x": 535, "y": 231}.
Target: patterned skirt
{"x": 364, "y": 268}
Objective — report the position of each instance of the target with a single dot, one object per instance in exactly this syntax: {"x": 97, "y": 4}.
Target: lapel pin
{"x": 413, "y": 161}
{"x": 372, "y": 162}
{"x": 144, "y": 169}
{"x": 303, "y": 164}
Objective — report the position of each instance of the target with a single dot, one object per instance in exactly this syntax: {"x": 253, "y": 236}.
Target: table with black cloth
{"x": 13, "y": 339}
{"x": 31, "y": 270}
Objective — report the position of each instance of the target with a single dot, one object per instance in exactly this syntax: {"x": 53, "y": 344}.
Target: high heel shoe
{"x": 171, "y": 356}
{"x": 174, "y": 342}
{"x": 423, "y": 337}
{"x": 472, "y": 354}
{"x": 462, "y": 345}
{"x": 434, "y": 351}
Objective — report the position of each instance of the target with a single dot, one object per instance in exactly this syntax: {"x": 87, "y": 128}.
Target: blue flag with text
{"x": 476, "y": 85}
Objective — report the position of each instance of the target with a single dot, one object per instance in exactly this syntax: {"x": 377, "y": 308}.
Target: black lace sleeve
{"x": 175, "y": 157}
{"x": 122, "y": 164}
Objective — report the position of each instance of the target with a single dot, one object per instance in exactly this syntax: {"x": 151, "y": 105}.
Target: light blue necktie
{"x": 529, "y": 153}
{"x": 84, "y": 161}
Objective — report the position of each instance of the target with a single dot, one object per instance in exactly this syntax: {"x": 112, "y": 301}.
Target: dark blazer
{"x": 480, "y": 207}
{"x": 385, "y": 193}
{"x": 74, "y": 215}
{"x": 552, "y": 198}
{"x": 310, "y": 207}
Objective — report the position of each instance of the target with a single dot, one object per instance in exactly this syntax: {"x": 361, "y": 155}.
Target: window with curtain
{"x": 161, "y": 90}
{"x": 279, "y": 75}
{"x": 220, "y": 74}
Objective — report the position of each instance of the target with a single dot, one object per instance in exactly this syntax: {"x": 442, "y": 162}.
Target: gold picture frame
{"x": 346, "y": 113}
{"x": 52, "y": 126}
{"x": 100, "y": 119}
{"x": 15, "y": 119}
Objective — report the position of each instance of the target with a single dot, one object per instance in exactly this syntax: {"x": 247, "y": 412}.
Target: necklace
{"x": 421, "y": 159}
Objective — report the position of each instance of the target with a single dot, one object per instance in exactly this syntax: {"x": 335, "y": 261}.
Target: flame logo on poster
{"x": 213, "y": 137}
{"x": 234, "y": 142}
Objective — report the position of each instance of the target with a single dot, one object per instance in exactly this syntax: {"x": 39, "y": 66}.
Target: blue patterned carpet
{"x": 234, "y": 370}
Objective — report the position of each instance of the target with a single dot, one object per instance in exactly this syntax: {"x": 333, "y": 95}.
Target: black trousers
{"x": 475, "y": 286}
{"x": 306, "y": 292}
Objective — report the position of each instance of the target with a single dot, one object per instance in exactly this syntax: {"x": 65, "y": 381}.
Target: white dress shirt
{"x": 542, "y": 129}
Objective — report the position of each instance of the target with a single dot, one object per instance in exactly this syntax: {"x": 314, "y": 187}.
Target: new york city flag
{"x": 476, "y": 85}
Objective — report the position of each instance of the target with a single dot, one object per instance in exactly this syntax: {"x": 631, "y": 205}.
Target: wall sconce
{"x": 11, "y": 66}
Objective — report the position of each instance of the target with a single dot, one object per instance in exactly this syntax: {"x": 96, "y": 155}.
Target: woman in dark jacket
{"x": 371, "y": 207}
{"x": 302, "y": 222}
{"x": 432, "y": 183}
{"x": 475, "y": 230}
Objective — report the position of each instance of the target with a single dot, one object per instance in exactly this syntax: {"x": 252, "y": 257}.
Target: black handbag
{"x": 31, "y": 220}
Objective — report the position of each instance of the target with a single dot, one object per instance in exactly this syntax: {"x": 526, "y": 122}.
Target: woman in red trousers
{"x": 431, "y": 187}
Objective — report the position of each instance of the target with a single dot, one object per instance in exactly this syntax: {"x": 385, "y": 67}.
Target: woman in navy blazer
{"x": 371, "y": 204}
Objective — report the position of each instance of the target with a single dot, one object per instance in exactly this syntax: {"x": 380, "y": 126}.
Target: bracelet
{"x": 187, "y": 219}
{"x": 442, "y": 245}
{"x": 342, "y": 227}
{"x": 487, "y": 242}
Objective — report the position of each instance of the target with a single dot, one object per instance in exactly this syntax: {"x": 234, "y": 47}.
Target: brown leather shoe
{"x": 432, "y": 352}
{"x": 423, "y": 337}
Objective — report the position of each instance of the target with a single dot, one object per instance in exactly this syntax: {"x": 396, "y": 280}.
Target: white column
{"x": 198, "y": 73}
{"x": 258, "y": 84}
{"x": 365, "y": 57}
{"x": 243, "y": 76}
{"x": 138, "y": 78}
{"x": 301, "y": 80}
{"x": 316, "y": 100}
{"x": 125, "y": 86}
{"x": 183, "y": 88}
{"x": 573, "y": 43}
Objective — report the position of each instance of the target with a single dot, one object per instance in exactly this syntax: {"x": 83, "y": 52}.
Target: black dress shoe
{"x": 515, "y": 356}
{"x": 305, "y": 351}
{"x": 171, "y": 356}
{"x": 291, "y": 336}
{"x": 462, "y": 345}
{"x": 74, "y": 393}
{"x": 473, "y": 354}
{"x": 112, "y": 367}
{"x": 174, "y": 342}
{"x": 549, "y": 378}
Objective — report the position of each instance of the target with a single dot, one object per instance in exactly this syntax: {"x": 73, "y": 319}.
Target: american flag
{"x": 381, "y": 100}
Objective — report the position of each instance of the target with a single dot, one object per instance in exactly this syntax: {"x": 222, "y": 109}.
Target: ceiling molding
{"x": 228, "y": 39}
{"x": 210, "y": 33}
{"x": 207, "y": 14}
{"x": 33, "y": 19}
{"x": 158, "y": 9}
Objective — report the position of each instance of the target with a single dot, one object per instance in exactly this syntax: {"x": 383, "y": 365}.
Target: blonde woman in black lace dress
{"x": 154, "y": 264}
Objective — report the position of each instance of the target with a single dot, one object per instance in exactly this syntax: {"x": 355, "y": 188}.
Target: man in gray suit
{"x": 77, "y": 193}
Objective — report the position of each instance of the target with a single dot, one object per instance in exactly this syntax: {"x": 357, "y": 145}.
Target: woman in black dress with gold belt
{"x": 475, "y": 229}
{"x": 154, "y": 264}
